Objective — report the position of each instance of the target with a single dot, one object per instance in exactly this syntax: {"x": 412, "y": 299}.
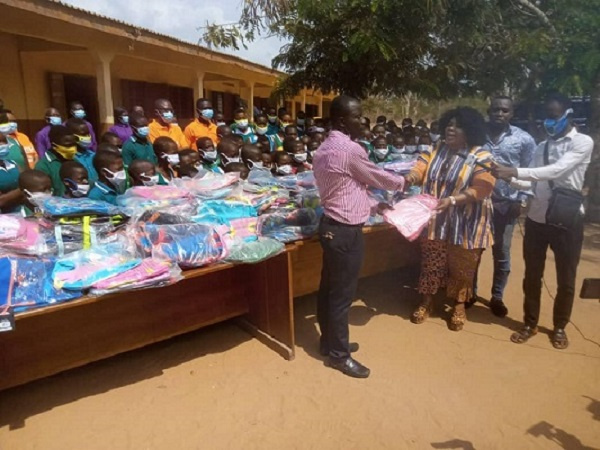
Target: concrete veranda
{"x": 429, "y": 388}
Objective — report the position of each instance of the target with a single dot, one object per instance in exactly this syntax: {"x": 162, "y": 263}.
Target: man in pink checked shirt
{"x": 343, "y": 173}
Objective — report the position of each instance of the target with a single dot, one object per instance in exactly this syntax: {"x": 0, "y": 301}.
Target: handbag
{"x": 564, "y": 205}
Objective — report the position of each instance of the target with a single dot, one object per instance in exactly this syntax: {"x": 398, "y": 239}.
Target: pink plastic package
{"x": 411, "y": 216}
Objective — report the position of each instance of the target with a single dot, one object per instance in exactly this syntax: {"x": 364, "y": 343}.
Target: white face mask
{"x": 221, "y": 124}
{"x": 36, "y": 197}
{"x": 411, "y": 148}
{"x": 262, "y": 130}
{"x": 228, "y": 160}
{"x": 300, "y": 157}
{"x": 149, "y": 180}
{"x": 381, "y": 153}
{"x": 117, "y": 179}
{"x": 210, "y": 155}
{"x": 422, "y": 147}
{"x": 81, "y": 191}
{"x": 284, "y": 170}
{"x": 173, "y": 158}
{"x": 397, "y": 150}
{"x": 434, "y": 137}
{"x": 256, "y": 165}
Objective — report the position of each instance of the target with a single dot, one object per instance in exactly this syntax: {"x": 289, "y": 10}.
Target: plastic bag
{"x": 56, "y": 206}
{"x": 33, "y": 285}
{"x": 175, "y": 238}
{"x": 79, "y": 233}
{"x": 33, "y": 238}
{"x": 244, "y": 230}
{"x": 412, "y": 215}
{"x": 209, "y": 184}
{"x": 402, "y": 165}
{"x": 257, "y": 251}
{"x": 150, "y": 273}
{"x": 80, "y": 270}
{"x": 288, "y": 226}
{"x": 169, "y": 198}
{"x": 262, "y": 178}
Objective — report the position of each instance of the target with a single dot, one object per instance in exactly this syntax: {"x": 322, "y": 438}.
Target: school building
{"x": 53, "y": 53}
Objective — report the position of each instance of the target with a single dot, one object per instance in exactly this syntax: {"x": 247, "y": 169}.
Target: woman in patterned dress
{"x": 462, "y": 228}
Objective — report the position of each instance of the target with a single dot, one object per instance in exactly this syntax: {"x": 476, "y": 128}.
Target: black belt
{"x": 331, "y": 221}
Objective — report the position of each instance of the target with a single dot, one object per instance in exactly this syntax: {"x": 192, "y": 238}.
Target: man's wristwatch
{"x": 452, "y": 200}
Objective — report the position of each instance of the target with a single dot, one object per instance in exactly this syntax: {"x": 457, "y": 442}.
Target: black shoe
{"x": 350, "y": 367}
{"x": 498, "y": 307}
{"x": 324, "y": 351}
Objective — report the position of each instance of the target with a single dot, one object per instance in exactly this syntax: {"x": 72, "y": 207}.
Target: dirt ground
{"x": 429, "y": 387}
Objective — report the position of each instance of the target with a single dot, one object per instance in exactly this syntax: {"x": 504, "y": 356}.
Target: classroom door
{"x": 83, "y": 89}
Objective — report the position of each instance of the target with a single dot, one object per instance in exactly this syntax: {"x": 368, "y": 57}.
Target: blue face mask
{"x": 4, "y": 151}
{"x": 79, "y": 113}
{"x": 5, "y": 128}
{"x": 13, "y": 127}
{"x": 142, "y": 131}
{"x": 207, "y": 113}
{"x": 555, "y": 127}
{"x": 124, "y": 119}
{"x": 168, "y": 115}
{"x": 54, "y": 120}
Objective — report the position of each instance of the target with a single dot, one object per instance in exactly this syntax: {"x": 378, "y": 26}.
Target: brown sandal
{"x": 421, "y": 314}
{"x": 457, "y": 321}
{"x": 524, "y": 334}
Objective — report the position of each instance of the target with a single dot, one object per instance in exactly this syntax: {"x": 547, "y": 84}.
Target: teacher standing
{"x": 343, "y": 173}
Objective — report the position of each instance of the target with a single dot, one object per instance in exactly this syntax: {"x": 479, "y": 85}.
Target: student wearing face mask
{"x": 301, "y": 123}
{"x": 272, "y": 119}
{"x": 434, "y": 132}
{"x": 121, "y": 127}
{"x": 424, "y": 143}
{"x": 84, "y": 155}
{"x": 77, "y": 111}
{"x": 138, "y": 146}
{"x": 112, "y": 139}
{"x": 33, "y": 184}
{"x": 75, "y": 178}
{"x": 219, "y": 119}
{"x": 167, "y": 155}
{"x": 16, "y": 152}
{"x": 203, "y": 126}
{"x": 261, "y": 125}
{"x": 285, "y": 120}
{"x": 42, "y": 141}
{"x": 283, "y": 164}
{"x": 112, "y": 179}
{"x": 410, "y": 140}
{"x": 143, "y": 173}
{"x": 252, "y": 157}
{"x": 297, "y": 150}
{"x": 10, "y": 196}
{"x": 229, "y": 152}
{"x": 241, "y": 126}
{"x": 21, "y": 138}
{"x": 63, "y": 147}
{"x": 397, "y": 147}
{"x": 238, "y": 167}
{"x": 209, "y": 157}
{"x": 381, "y": 151}
{"x": 163, "y": 124}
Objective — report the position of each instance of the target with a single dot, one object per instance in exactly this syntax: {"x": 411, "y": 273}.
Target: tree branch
{"x": 538, "y": 13}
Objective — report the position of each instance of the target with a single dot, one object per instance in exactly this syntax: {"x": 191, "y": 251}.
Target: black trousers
{"x": 343, "y": 250}
{"x": 566, "y": 245}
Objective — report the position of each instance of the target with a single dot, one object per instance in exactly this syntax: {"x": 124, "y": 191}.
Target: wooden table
{"x": 50, "y": 340}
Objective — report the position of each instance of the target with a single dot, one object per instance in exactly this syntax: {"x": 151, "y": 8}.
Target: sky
{"x": 175, "y": 18}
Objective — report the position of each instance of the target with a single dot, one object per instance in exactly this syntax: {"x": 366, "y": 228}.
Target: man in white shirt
{"x": 568, "y": 155}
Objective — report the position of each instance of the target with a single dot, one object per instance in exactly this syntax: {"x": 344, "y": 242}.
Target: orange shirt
{"x": 25, "y": 142}
{"x": 198, "y": 129}
{"x": 172, "y": 131}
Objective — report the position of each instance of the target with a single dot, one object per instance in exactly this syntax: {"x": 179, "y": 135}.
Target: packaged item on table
{"x": 262, "y": 178}
{"x": 166, "y": 236}
{"x": 170, "y": 198}
{"x": 83, "y": 232}
{"x": 288, "y": 226}
{"x": 81, "y": 269}
{"x": 257, "y": 251}
{"x": 7, "y": 279}
{"x": 59, "y": 207}
{"x": 244, "y": 230}
{"x": 209, "y": 184}
{"x": 150, "y": 273}
{"x": 412, "y": 215}
{"x": 401, "y": 166}
{"x": 33, "y": 238}
{"x": 32, "y": 284}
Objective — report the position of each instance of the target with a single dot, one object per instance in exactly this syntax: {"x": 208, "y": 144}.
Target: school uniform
{"x": 122, "y": 130}
{"x": 50, "y": 164}
{"x": 136, "y": 148}
{"x": 170, "y": 130}
{"x": 197, "y": 129}
{"x": 15, "y": 154}
{"x": 86, "y": 159}
{"x": 214, "y": 166}
{"x": 103, "y": 192}
{"x": 9, "y": 176}
{"x": 272, "y": 129}
{"x": 25, "y": 142}
{"x": 248, "y": 136}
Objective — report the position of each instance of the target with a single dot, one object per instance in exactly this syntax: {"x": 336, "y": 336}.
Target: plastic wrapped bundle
{"x": 59, "y": 207}
{"x": 32, "y": 284}
{"x": 150, "y": 273}
{"x": 244, "y": 230}
{"x": 401, "y": 166}
{"x": 82, "y": 269}
{"x": 31, "y": 236}
{"x": 174, "y": 238}
{"x": 262, "y": 178}
{"x": 288, "y": 226}
{"x": 412, "y": 215}
{"x": 254, "y": 252}
{"x": 170, "y": 198}
{"x": 80, "y": 233}
{"x": 209, "y": 185}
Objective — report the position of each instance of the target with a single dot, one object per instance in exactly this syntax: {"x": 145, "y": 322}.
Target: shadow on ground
{"x": 558, "y": 436}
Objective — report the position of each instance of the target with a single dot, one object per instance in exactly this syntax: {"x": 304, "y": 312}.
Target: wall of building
{"x": 12, "y": 88}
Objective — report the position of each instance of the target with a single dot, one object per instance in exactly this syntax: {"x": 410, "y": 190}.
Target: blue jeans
{"x": 504, "y": 225}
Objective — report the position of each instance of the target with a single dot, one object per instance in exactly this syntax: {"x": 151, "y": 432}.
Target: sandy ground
{"x": 429, "y": 387}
